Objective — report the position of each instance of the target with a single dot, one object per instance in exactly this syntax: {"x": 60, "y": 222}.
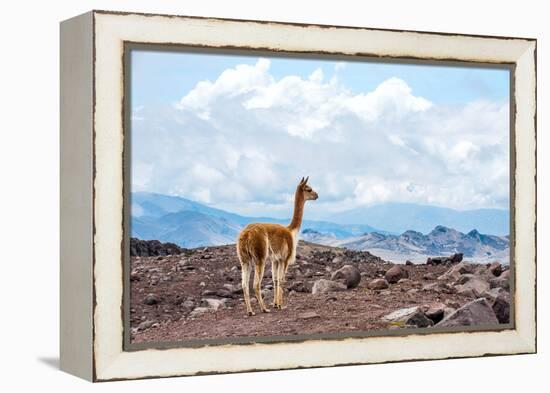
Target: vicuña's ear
{"x": 305, "y": 181}
{"x": 302, "y": 181}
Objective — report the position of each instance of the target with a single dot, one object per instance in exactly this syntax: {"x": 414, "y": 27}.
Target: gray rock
{"x": 468, "y": 292}
{"x": 439, "y": 287}
{"x": 200, "y": 311}
{"x": 151, "y": 299}
{"x": 337, "y": 260}
{"x": 500, "y": 282}
{"x": 145, "y": 325}
{"x": 476, "y": 285}
{"x": 493, "y": 293}
{"x": 395, "y": 273}
{"x": 324, "y": 286}
{"x": 434, "y": 311}
{"x": 214, "y": 304}
{"x": 456, "y": 271}
{"x": 298, "y": 286}
{"x": 188, "y": 305}
{"x": 233, "y": 288}
{"x": 349, "y": 275}
{"x": 378, "y": 283}
{"x": 476, "y": 312}
{"x": 501, "y": 307}
{"x": 309, "y": 315}
{"x": 463, "y": 279}
{"x": 411, "y": 316}
{"x": 223, "y": 292}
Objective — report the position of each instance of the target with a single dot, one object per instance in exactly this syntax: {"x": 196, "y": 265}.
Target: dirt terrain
{"x": 195, "y": 294}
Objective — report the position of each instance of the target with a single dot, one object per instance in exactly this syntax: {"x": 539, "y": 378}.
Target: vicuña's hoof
{"x": 267, "y": 310}
{"x": 251, "y": 313}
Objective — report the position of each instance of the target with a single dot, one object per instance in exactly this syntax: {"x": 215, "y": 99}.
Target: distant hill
{"x": 400, "y": 217}
{"x": 191, "y": 224}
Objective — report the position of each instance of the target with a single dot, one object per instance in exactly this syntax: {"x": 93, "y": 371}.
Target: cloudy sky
{"x": 238, "y": 132}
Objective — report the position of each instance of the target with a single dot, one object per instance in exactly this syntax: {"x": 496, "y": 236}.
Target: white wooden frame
{"x": 92, "y": 143}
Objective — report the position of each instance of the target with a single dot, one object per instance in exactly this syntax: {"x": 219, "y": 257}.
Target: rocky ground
{"x": 179, "y": 294}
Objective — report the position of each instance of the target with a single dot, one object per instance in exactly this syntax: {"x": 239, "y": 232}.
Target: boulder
{"x": 439, "y": 287}
{"x": 434, "y": 311}
{"x": 325, "y": 286}
{"x": 500, "y": 282}
{"x": 378, "y": 284}
{"x": 463, "y": 279}
{"x": 476, "y": 312}
{"x": 468, "y": 292}
{"x": 349, "y": 275}
{"x": 429, "y": 276}
{"x": 493, "y": 293}
{"x": 150, "y": 248}
{"x": 495, "y": 268}
{"x": 454, "y": 258}
{"x": 408, "y": 263}
{"x": 456, "y": 271}
{"x": 395, "y": 273}
{"x": 412, "y": 316}
{"x": 501, "y": 307}
{"x": 188, "y": 305}
{"x": 476, "y": 285}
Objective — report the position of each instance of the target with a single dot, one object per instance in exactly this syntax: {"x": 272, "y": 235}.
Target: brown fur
{"x": 260, "y": 241}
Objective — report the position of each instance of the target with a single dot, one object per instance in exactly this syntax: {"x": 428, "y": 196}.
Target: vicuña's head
{"x": 306, "y": 190}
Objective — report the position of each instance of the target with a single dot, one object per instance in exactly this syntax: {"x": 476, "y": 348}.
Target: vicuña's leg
{"x": 258, "y": 275}
{"x": 246, "y": 269}
{"x": 274, "y": 271}
{"x": 280, "y": 283}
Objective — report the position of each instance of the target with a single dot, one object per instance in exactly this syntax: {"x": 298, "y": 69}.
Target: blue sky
{"x": 237, "y": 132}
{"x": 164, "y": 77}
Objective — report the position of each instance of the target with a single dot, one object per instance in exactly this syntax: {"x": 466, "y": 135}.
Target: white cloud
{"x": 242, "y": 142}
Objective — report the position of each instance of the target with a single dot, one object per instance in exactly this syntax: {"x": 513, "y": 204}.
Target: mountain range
{"x": 191, "y": 224}
{"x": 417, "y": 246}
{"x": 400, "y": 217}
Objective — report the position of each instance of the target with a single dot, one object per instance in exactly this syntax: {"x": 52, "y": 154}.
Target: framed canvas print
{"x": 248, "y": 195}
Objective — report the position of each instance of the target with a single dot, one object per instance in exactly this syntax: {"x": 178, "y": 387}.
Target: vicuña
{"x": 260, "y": 241}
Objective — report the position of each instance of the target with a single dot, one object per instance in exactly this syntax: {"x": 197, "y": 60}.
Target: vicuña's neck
{"x": 298, "y": 212}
